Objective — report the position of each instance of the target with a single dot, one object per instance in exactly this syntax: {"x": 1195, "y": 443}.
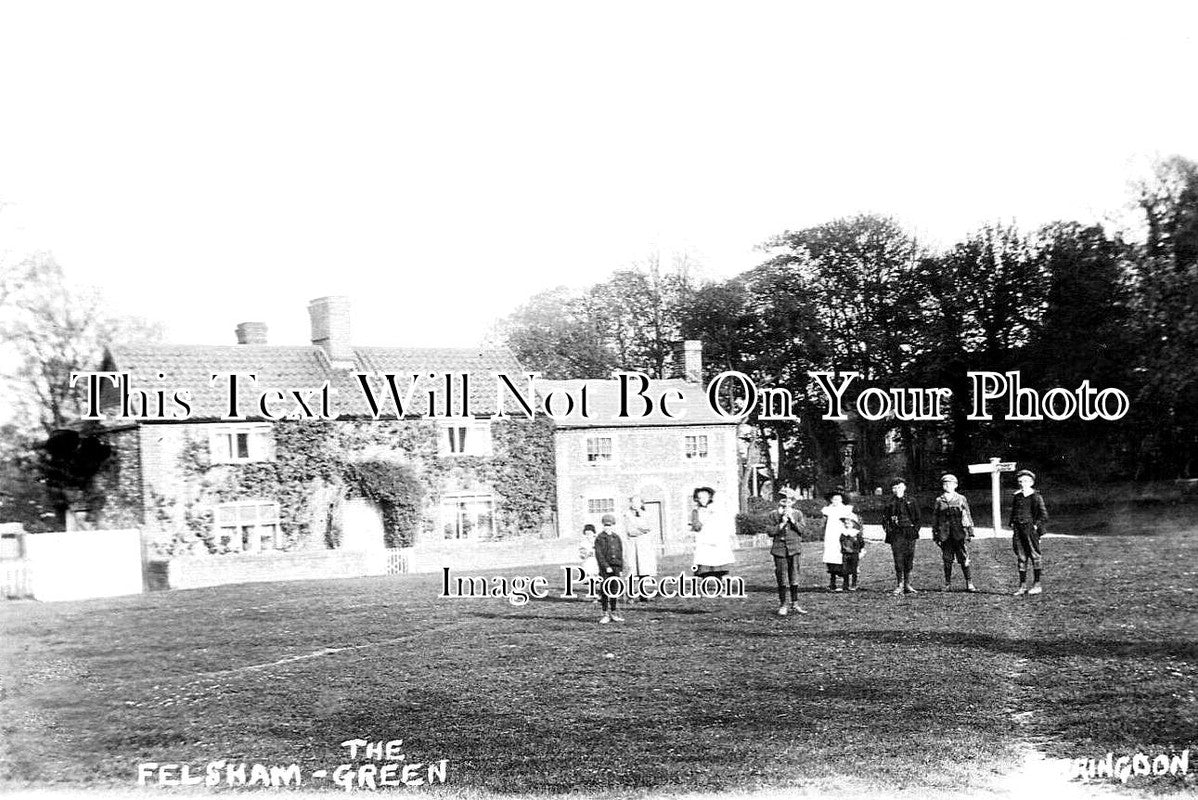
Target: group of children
{"x": 603, "y": 553}
{"x": 952, "y": 530}
{"x": 843, "y": 541}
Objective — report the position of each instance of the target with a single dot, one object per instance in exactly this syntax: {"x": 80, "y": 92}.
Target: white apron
{"x": 833, "y": 527}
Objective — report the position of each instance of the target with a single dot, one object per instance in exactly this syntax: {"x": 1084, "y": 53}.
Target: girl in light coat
{"x": 835, "y": 513}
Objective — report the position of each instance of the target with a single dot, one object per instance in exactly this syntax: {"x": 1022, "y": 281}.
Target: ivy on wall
{"x": 395, "y": 464}
{"x": 395, "y": 489}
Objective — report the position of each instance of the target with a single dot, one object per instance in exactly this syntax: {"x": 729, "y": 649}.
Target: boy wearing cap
{"x": 1028, "y": 516}
{"x": 609, "y": 553}
{"x": 786, "y": 526}
{"x": 952, "y": 528}
{"x": 901, "y": 522}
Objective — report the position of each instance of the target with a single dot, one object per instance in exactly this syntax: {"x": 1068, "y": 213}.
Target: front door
{"x": 653, "y": 511}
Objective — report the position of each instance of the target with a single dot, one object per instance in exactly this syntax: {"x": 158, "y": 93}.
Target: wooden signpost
{"x": 994, "y": 467}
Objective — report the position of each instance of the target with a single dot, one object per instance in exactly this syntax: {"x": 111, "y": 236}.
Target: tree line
{"x": 1061, "y": 304}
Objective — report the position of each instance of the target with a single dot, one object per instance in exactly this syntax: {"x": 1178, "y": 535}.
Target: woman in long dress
{"x": 835, "y": 513}
{"x": 641, "y": 557}
{"x": 715, "y": 532}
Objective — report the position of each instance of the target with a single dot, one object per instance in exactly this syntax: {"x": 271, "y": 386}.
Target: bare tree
{"x": 50, "y": 329}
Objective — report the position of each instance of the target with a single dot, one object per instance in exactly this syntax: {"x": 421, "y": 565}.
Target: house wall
{"x": 179, "y": 486}
{"x": 650, "y": 461}
{"x": 118, "y": 497}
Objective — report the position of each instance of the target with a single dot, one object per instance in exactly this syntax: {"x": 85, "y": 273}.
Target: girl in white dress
{"x": 715, "y": 532}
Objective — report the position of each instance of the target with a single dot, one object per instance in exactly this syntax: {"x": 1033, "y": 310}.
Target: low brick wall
{"x": 192, "y": 572}
{"x": 466, "y": 555}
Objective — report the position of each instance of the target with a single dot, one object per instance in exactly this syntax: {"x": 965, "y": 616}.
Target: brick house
{"x": 601, "y": 461}
{"x": 206, "y": 485}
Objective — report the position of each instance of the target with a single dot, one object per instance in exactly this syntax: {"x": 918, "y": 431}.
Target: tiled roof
{"x": 307, "y": 368}
{"x": 604, "y": 404}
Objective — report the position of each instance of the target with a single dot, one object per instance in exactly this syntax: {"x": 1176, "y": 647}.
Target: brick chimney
{"x": 251, "y": 333}
{"x": 330, "y": 327}
{"x": 692, "y": 361}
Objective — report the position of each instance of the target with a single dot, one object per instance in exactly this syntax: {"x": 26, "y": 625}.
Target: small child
{"x": 609, "y": 554}
{"x": 586, "y": 553}
{"x": 852, "y": 547}
{"x": 1028, "y": 516}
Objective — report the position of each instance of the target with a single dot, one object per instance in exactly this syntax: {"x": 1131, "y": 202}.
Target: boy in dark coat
{"x": 900, "y": 521}
{"x": 609, "y": 553}
{"x": 786, "y": 526}
{"x": 1028, "y": 517}
{"x": 952, "y": 528}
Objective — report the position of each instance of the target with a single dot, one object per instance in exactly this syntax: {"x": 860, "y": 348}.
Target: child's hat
{"x": 1026, "y": 472}
{"x": 608, "y": 519}
{"x": 588, "y": 527}
{"x": 708, "y": 489}
{"x": 948, "y": 476}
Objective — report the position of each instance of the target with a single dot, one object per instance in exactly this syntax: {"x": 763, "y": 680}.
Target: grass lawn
{"x": 926, "y": 694}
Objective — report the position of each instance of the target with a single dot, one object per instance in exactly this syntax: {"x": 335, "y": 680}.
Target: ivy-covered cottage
{"x": 205, "y": 485}
{"x": 602, "y": 459}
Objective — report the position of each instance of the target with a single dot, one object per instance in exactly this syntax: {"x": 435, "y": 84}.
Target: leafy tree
{"x": 1166, "y": 283}
{"x": 987, "y": 298}
{"x": 630, "y": 321}
{"x": 846, "y": 295}
{"x": 560, "y": 334}
{"x": 1085, "y": 334}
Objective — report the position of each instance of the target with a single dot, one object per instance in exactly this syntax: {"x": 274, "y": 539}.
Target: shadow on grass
{"x": 1027, "y": 648}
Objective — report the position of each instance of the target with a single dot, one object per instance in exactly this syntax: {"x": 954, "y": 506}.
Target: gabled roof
{"x": 604, "y": 404}
{"x": 307, "y": 367}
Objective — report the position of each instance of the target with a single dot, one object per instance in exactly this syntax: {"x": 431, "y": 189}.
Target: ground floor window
{"x": 247, "y": 527}
{"x": 601, "y": 505}
{"x": 468, "y": 516}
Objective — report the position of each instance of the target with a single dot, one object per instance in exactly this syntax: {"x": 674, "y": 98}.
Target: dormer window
{"x": 459, "y": 437}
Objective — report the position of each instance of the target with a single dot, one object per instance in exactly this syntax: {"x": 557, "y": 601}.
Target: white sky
{"x": 209, "y": 163}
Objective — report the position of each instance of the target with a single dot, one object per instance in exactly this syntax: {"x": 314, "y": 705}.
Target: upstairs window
{"x": 599, "y": 450}
{"x": 465, "y": 438}
{"x": 696, "y": 446}
{"x": 239, "y": 444}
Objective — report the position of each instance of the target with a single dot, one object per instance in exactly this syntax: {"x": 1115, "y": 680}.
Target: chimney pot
{"x": 330, "y": 327}
{"x": 251, "y": 333}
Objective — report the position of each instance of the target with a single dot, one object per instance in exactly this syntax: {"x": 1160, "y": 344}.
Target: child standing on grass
{"x": 901, "y": 523}
{"x": 715, "y": 534}
{"x": 786, "y": 530}
{"x": 1028, "y": 516}
{"x": 609, "y": 555}
{"x": 586, "y": 553}
{"x": 952, "y": 528}
{"x": 852, "y": 547}
{"x": 834, "y": 515}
